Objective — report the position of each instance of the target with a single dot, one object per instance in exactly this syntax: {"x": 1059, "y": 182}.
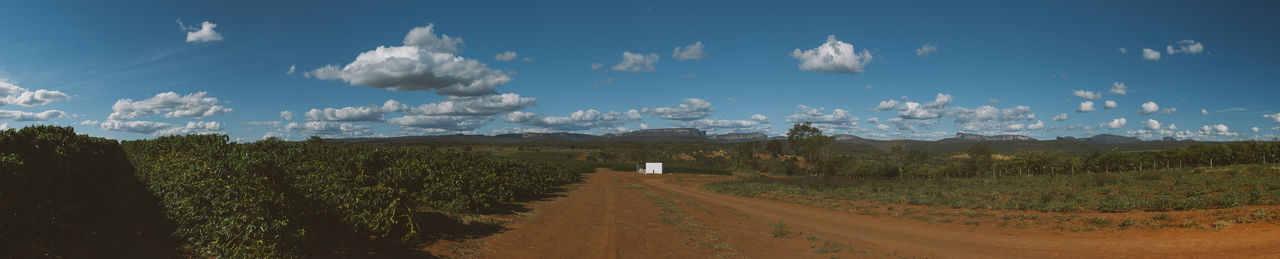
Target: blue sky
{"x": 917, "y": 70}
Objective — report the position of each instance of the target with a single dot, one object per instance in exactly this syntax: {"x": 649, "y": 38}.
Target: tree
{"x": 315, "y": 139}
{"x": 774, "y": 147}
{"x": 808, "y": 142}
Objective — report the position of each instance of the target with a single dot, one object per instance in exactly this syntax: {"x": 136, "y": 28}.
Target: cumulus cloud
{"x": 1204, "y": 112}
{"x": 579, "y": 120}
{"x": 691, "y": 109}
{"x": 689, "y": 52}
{"x": 32, "y": 116}
{"x": 837, "y": 119}
{"x": 170, "y": 104}
{"x": 292, "y": 69}
{"x": 927, "y": 49}
{"x": 760, "y": 118}
{"x": 1086, "y": 94}
{"x": 1149, "y": 107}
{"x": 1118, "y": 88}
{"x": 1219, "y": 129}
{"x": 1150, "y": 54}
{"x": 596, "y": 66}
{"x": 12, "y": 94}
{"x": 1036, "y": 126}
{"x": 157, "y": 128}
{"x": 710, "y": 125}
{"x": 636, "y": 62}
{"x": 1060, "y": 117}
{"x": 1086, "y": 106}
{"x": 1185, "y": 46}
{"x": 466, "y": 106}
{"x": 425, "y": 62}
{"x": 887, "y": 105}
{"x": 1273, "y": 116}
{"x": 203, "y": 34}
{"x": 1255, "y": 129}
{"x": 1151, "y": 124}
{"x": 328, "y": 128}
{"x": 286, "y": 115}
{"x": 941, "y": 101}
{"x": 1109, "y": 104}
{"x": 441, "y": 123}
{"x": 1114, "y": 124}
{"x": 993, "y": 101}
{"x": 505, "y": 56}
{"x": 988, "y": 119}
{"x": 345, "y": 114}
{"x": 834, "y": 57}
{"x": 913, "y": 110}
{"x": 1122, "y": 50}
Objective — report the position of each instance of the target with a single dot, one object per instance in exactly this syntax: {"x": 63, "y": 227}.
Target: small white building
{"x": 652, "y": 168}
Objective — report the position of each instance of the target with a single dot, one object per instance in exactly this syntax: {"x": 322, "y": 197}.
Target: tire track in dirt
{"x": 918, "y": 238}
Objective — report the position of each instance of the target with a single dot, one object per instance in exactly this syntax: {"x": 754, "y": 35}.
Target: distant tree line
{"x": 807, "y": 153}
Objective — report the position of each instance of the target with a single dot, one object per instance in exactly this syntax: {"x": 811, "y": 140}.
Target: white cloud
{"x": 425, "y": 62}
{"x": 1204, "y": 112}
{"x": 941, "y": 101}
{"x": 1150, "y": 54}
{"x": 1185, "y": 46}
{"x": 1109, "y": 104}
{"x": 466, "y": 106}
{"x": 292, "y": 69}
{"x": 1169, "y": 110}
{"x": 425, "y": 39}
{"x": 579, "y": 120}
{"x": 719, "y": 124}
{"x": 993, "y": 101}
{"x": 988, "y": 119}
{"x": 286, "y": 115}
{"x": 691, "y": 109}
{"x": 1060, "y": 117}
{"x": 327, "y": 128}
{"x": 203, "y": 34}
{"x": 838, "y": 119}
{"x": 1273, "y": 116}
{"x": 1036, "y": 126}
{"x": 1122, "y": 50}
{"x": 913, "y": 110}
{"x": 1255, "y": 129}
{"x": 636, "y": 62}
{"x": 1218, "y": 129}
{"x": 345, "y": 114}
{"x": 596, "y": 66}
{"x": 157, "y": 128}
{"x": 1149, "y": 108}
{"x": 171, "y": 104}
{"x": 441, "y": 123}
{"x": 1118, "y": 88}
{"x": 1151, "y": 124}
{"x": 927, "y": 49}
{"x": 12, "y": 94}
{"x": 833, "y": 56}
{"x": 1086, "y": 94}
{"x": 887, "y": 105}
{"x": 868, "y": 87}
{"x": 760, "y": 118}
{"x": 1086, "y": 106}
{"x": 4, "y": 126}
{"x": 32, "y": 116}
{"x": 688, "y": 75}
{"x": 689, "y": 52}
{"x": 1114, "y": 124}
{"x": 505, "y": 56}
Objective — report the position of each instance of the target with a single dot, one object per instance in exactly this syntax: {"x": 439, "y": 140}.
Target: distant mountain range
{"x": 691, "y": 134}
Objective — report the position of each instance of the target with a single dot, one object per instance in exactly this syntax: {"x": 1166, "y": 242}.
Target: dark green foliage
{"x": 68, "y": 195}
{"x": 1180, "y": 189}
{"x": 262, "y": 199}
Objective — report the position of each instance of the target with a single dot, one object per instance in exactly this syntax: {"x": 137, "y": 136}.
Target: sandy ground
{"x": 616, "y": 215}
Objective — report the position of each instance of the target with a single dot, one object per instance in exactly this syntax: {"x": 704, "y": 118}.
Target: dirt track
{"x": 604, "y": 218}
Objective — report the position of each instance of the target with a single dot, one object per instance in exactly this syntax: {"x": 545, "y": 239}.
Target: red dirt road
{"x": 608, "y": 216}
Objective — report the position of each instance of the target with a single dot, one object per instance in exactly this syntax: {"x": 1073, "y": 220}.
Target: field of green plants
{"x": 1147, "y": 190}
{"x": 264, "y": 199}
